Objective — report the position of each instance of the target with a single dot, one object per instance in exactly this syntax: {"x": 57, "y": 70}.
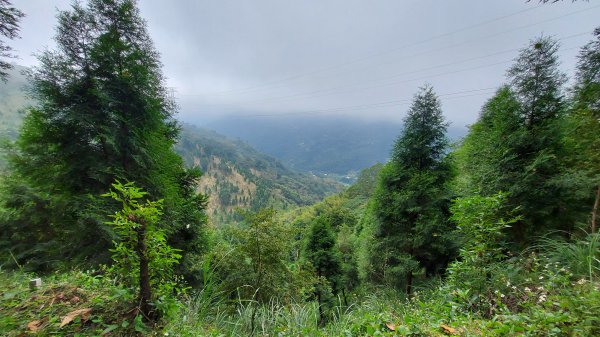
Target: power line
{"x": 384, "y": 104}
{"x": 259, "y": 87}
{"x": 279, "y": 83}
{"x": 332, "y": 90}
{"x": 338, "y": 65}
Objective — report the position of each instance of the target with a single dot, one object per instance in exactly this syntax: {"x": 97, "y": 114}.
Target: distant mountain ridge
{"x": 319, "y": 144}
{"x": 236, "y": 176}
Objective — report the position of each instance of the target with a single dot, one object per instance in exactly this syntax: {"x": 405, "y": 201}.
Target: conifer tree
{"x": 9, "y": 28}
{"x": 411, "y": 201}
{"x": 321, "y": 252}
{"x": 533, "y": 182}
{"x": 584, "y": 124}
{"x": 516, "y": 146}
{"x": 103, "y": 113}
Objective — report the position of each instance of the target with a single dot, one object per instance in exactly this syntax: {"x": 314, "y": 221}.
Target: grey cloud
{"x": 318, "y": 57}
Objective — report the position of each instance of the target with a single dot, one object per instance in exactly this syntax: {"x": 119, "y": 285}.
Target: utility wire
{"x": 263, "y": 86}
{"x": 385, "y": 104}
{"x": 360, "y": 59}
{"x": 352, "y": 88}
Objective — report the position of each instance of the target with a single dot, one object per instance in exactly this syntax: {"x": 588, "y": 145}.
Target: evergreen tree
{"x": 320, "y": 251}
{"x": 346, "y": 244}
{"x": 103, "y": 114}
{"x": 411, "y": 201}
{"x": 516, "y": 147}
{"x": 534, "y": 178}
{"x": 537, "y": 82}
{"x": 486, "y": 154}
{"x": 9, "y": 28}
{"x": 584, "y": 124}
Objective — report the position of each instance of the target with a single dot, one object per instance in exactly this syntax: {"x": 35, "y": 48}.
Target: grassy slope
{"x": 104, "y": 308}
{"x": 544, "y": 298}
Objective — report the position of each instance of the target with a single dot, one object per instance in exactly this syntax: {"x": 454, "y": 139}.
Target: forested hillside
{"x": 236, "y": 176}
{"x": 320, "y": 144}
{"x": 105, "y": 203}
{"x": 339, "y": 145}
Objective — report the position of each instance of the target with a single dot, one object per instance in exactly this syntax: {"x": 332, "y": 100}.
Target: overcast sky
{"x": 271, "y": 59}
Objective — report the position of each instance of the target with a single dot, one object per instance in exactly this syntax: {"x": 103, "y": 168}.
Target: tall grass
{"x": 581, "y": 257}
{"x": 213, "y": 313}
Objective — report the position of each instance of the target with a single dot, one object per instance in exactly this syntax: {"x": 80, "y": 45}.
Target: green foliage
{"x": 251, "y": 261}
{"x": 583, "y": 127}
{"x": 238, "y": 176}
{"x": 135, "y": 224}
{"x": 321, "y": 253}
{"x": 536, "y": 186}
{"x": 528, "y": 295}
{"x": 537, "y": 81}
{"x": 365, "y": 184}
{"x": 487, "y": 158}
{"x": 477, "y": 222}
{"x": 9, "y": 21}
{"x": 516, "y": 146}
{"x": 64, "y": 293}
{"x": 581, "y": 257}
{"x": 346, "y": 243}
{"x": 483, "y": 233}
{"x": 101, "y": 113}
{"x": 411, "y": 199}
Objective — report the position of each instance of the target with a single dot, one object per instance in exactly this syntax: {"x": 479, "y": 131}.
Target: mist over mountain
{"x": 12, "y": 102}
{"x": 319, "y": 144}
{"x": 322, "y": 144}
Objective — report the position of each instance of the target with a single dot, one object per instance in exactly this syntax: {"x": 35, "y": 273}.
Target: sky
{"x": 347, "y": 58}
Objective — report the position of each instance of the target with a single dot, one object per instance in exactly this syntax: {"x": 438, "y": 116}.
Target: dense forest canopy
{"x": 117, "y": 220}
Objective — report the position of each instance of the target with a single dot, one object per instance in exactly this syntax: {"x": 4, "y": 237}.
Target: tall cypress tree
{"x": 322, "y": 254}
{"x": 534, "y": 184}
{"x": 103, "y": 114}
{"x": 9, "y": 28}
{"x": 516, "y": 146}
{"x": 584, "y": 125}
{"x": 411, "y": 201}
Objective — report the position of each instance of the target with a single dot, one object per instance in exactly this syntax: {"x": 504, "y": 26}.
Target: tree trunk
{"x": 145, "y": 290}
{"x": 321, "y": 316}
{"x": 344, "y": 296}
{"x": 409, "y": 282}
{"x": 595, "y": 209}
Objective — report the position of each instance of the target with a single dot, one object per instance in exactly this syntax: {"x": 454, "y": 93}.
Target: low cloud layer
{"x": 272, "y": 59}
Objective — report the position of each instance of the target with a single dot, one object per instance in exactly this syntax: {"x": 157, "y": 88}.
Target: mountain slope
{"x": 238, "y": 176}
{"x": 320, "y": 144}
{"x": 235, "y": 174}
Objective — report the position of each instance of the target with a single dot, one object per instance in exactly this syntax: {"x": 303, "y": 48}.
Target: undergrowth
{"x": 546, "y": 292}
{"x": 68, "y": 304}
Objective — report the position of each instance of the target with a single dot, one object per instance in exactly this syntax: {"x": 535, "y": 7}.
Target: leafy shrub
{"x": 141, "y": 239}
{"x": 478, "y": 224}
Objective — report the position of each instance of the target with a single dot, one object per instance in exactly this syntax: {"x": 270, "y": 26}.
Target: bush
{"x": 143, "y": 259}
